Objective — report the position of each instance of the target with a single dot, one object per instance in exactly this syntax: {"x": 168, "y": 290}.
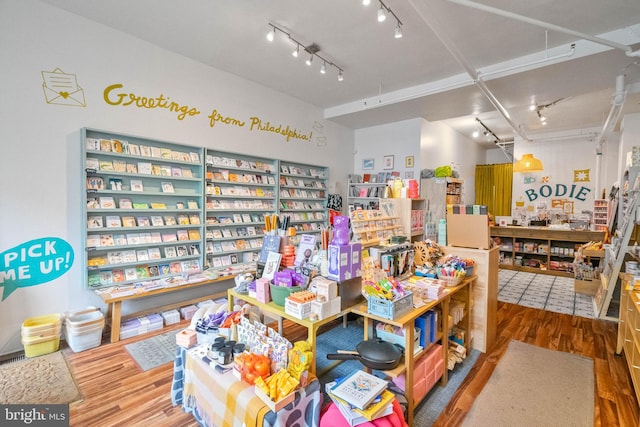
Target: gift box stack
{"x": 186, "y": 338}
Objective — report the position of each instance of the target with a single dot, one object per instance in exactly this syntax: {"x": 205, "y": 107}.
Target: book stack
{"x": 361, "y": 397}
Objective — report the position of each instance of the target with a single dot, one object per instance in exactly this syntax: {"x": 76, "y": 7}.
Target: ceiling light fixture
{"x": 366, "y": 2}
{"x": 539, "y": 108}
{"x": 398, "y": 33}
{"x": 487, "y": 132}
{"x": 312, "y": 49}
{"x": 271, "y": 34}
{"x": 382, "y": 16}
{"x": 476, "y": 133}
{"x": 528, "y": 163}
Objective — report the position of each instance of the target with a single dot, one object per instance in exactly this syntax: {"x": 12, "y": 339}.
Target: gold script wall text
{"x": 115, "y": 95}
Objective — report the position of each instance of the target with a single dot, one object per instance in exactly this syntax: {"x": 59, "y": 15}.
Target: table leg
{"x": 116, "y": 317}
{"x": 311, "y": 339}
{"x": 408, "y": 371}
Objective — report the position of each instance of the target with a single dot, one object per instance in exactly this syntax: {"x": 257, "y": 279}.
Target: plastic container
{"x": 53, "y": 331}
{"x": 38, "y": 346}
{"x": 280, "y": 293}
{"x": 86, "y": 318}
{"x": 41, "y": 324}
{"x": 390, "y": 309}
{"x": 80, "y": 339}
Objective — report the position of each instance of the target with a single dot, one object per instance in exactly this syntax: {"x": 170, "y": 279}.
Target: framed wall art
{"x": 367, "y": 164}
{"x": 408, "y": 162}
{"x": 387, "y": 161}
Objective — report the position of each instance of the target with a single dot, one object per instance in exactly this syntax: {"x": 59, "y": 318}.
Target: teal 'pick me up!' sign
{"x": 33, "y": 263}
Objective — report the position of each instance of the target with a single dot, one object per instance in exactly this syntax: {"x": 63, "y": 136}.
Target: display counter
{"x": 540, "y": 249}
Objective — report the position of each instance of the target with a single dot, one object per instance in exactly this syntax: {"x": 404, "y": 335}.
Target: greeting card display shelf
{"x": 128, "y": 182}
{"x": 144, "y": 186}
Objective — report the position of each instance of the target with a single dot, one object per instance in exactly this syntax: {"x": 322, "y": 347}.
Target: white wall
{"x": 399, "y": 139}
{"x": 440, "y": 145}
{"x": 562, "y": 157}
{"x": 40, "y": 161}
{"x": 431, "y": 144}
{"x": 629, "y": 137}
{"x": 494, "y": 156}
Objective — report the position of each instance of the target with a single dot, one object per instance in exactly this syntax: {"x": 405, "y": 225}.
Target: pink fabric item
{"x": 332, "y": 417}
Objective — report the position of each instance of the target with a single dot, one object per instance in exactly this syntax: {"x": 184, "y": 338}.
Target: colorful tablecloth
{"x": 221, "y": 400}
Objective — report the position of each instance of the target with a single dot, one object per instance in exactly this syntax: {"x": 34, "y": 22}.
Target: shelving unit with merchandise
{"x": 540, "y": 250}
{"x": 601, "y": 214}
{"x": 411, "y": 215}
{"x": 371, "y": 226}
{"x": 240, "y": 191}
{"x": 142, "y": 201}
{"x": 303, "y": 196}
{"x": 438, "y": 193}
{"x": 628, "y": 333}
{"x": 365, "y": 191}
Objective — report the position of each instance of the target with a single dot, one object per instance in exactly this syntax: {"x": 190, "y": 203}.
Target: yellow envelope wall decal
{"x": 61, "y": 88}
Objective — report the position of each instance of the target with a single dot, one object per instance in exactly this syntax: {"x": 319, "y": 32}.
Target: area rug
{"x": 154, "y": 351}
{"x": 39, "y": 380}
{"x": 533, "y": 386}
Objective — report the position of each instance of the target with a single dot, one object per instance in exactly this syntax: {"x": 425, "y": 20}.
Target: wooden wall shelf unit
{"x": 542, "y": 250}
{"x": 628, "y": 329}
{"x": 155, "y": 209}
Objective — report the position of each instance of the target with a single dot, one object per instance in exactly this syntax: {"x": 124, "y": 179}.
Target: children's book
{"x": 380, "y": 407}
{"x": 359, "y": 389}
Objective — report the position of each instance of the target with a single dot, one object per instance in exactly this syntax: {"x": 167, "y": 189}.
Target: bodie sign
{"x": 578, "y": 192}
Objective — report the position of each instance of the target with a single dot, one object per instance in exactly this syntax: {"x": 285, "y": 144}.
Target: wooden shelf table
{"x": 407, "y": 320}
{"x": 277, "y": 310}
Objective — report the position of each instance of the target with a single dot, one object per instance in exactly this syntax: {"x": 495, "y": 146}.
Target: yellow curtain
{"x": 493, "y": 188}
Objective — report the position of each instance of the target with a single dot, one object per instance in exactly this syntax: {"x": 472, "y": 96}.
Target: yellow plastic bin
{"x": 38, "y": 346}
{"x": 42, "y": 325}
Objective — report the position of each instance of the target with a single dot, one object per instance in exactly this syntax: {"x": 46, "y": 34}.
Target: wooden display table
{"x": 114, "y": 304}
{"x": 217, "y": 399}
{"x": 277, "y": 310}
{"x": 407, "y": 320}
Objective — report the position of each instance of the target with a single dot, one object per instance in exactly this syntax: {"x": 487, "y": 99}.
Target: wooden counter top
{"x": 548, "y": 233}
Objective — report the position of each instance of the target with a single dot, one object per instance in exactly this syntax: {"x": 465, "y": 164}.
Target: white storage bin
{"x": 90, "y": 337}
{"x": 86, "y": 318}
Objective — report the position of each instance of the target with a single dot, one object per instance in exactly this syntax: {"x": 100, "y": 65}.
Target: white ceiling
{"x": 388, "y": 79}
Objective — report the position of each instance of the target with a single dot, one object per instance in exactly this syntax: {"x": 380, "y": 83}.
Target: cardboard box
{"x": 587, "y": 287}
{"x": 339, "y": 262}
{"x": 328, "y": 289}
{"x": 350, "y": 292}
{"x": 356, "y": 259}
{"x": 262, "y": 290}
{"x": 296, "y": 309}
{"x": 468, "y": 231}
{"x": 326, "y": 309}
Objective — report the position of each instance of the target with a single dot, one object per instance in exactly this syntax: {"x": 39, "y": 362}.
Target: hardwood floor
{"x": 117, "y": 393}
{"x": 615, "y": 402}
